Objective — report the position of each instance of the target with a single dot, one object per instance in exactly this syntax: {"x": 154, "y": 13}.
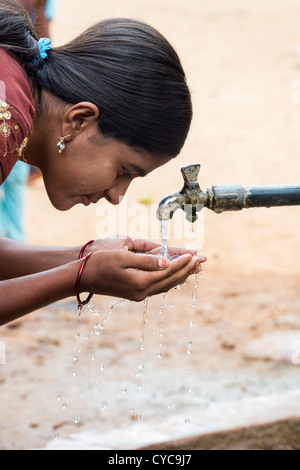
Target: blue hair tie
{"x": 44, "y": 46}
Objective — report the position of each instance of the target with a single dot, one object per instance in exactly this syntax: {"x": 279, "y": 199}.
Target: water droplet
{"x": 103, "y": 406}
{"x": 74, "y": 373}
{"x": 92, "y": 310}
{"x": 77, "y": 420}
{"x": 78, "y": 313}
{"x": 159, "y": 355}
{"x": 139, "y": 370}
{"x": 58, "y": 398}
{"x": 124, "y": 390}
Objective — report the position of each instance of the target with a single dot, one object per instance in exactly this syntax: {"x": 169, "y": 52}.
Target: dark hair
{"x": 125, "y": 67}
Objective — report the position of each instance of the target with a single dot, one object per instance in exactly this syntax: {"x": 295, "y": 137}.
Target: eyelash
{"x": 127, "y": 174}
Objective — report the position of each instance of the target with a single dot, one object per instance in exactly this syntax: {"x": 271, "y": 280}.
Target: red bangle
{"x": 83, "y": 248}
{"x": 81, "y": 303}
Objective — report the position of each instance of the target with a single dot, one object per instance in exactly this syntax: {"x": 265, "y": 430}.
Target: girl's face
{"x": 91, "y": 166}
{"x": 91, "y": 169}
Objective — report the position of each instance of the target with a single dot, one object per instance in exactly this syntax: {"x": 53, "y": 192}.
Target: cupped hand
{"x": 137, "y": 246}
{"x": 135, "y": 276}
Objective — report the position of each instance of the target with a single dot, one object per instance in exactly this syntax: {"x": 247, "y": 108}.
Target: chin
{"x": 61, "y": 204}
{"x": 58, "y": 201}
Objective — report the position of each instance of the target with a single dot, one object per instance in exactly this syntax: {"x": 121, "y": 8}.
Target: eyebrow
{"x": 140, "y": 171}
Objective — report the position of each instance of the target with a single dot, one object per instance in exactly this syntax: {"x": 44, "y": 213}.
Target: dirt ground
{"x": 64, "y": 374}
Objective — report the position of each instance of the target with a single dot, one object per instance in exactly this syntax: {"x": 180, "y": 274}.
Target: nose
{"x": 115, "y": 194}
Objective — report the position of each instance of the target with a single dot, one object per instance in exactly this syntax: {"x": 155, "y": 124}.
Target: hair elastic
{"x": 44, "y": 46}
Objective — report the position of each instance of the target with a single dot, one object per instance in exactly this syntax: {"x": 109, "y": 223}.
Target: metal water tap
{"x": 222, "y": 198}
{"x": 191, "y": 198}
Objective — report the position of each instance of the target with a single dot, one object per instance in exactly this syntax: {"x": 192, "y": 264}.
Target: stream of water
{"x": 162, "y": 324}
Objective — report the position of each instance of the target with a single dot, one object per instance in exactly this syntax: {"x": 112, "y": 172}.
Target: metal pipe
{"x": 220, "y": 198}
{"x": 236, "y": 197}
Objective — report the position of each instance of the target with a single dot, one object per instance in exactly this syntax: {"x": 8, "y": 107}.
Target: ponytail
{"x": 17, "y": 35}
{"x": 125, "y": 67}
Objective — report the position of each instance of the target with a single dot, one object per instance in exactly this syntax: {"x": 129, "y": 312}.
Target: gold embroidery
{"x": 22, "y": 147}
{"x": 6, "y": 129}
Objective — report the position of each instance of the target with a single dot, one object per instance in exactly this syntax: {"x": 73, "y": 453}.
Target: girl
{"x": 111, "y": 105}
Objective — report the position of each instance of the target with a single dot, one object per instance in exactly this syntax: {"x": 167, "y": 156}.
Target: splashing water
{"x": 143, "y": 323}
{"x": 161, "y": 326}
{"x": 98, "y": 329}
{"x": 191, "y": 324}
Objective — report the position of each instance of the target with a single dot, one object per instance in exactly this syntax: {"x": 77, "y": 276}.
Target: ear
{"x": 77, "y": 117}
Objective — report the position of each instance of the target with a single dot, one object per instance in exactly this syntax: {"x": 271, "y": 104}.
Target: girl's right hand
{"x": 133, "y": 276}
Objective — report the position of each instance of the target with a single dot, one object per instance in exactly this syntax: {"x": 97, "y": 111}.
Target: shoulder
{"x": 16, "y": 112}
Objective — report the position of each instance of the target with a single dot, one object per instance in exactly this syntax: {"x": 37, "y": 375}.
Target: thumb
{"x": 146, "y": 262}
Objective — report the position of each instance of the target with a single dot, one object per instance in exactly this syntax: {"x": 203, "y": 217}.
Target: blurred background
{"x": 242, "y": 61}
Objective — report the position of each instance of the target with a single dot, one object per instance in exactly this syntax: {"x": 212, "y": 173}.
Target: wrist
{"x": 81, "y": 302}
{"x": 84, "y": 248}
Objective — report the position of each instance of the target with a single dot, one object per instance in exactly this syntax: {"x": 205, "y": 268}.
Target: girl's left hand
{"x": 141, "y": 246}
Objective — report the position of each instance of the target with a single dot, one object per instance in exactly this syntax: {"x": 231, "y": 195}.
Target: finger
{"x": 145, "y": 262}
{"x": 143, "y": 246}
{"x": 174, "y": 252}
{"x": 172, "y": 277}
{"x": 157, "y": 263}
{"x": 120, "y": 242}
{"x": 180, "y": 251}
{"x": 198, "y": 267}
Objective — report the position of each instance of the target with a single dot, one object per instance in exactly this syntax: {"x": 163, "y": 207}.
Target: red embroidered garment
{"x": 16, "y": 112}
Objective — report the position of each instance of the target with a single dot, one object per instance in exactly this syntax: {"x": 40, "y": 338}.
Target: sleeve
{"x": 16, "y": 112}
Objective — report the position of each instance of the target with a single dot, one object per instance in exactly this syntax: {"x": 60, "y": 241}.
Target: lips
{"x": 87, "y": 200}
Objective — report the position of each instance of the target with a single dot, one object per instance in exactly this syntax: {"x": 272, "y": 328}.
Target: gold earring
{"x": 61, "y": 143}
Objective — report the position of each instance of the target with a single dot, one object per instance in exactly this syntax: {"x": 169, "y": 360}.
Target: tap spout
{"x": 191, "y": 199}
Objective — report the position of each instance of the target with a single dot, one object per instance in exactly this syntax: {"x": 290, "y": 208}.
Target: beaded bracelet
{"x": 81, "y": 303}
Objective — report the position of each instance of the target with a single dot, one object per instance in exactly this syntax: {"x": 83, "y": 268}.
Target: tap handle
{"x": 190, "y": 173}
